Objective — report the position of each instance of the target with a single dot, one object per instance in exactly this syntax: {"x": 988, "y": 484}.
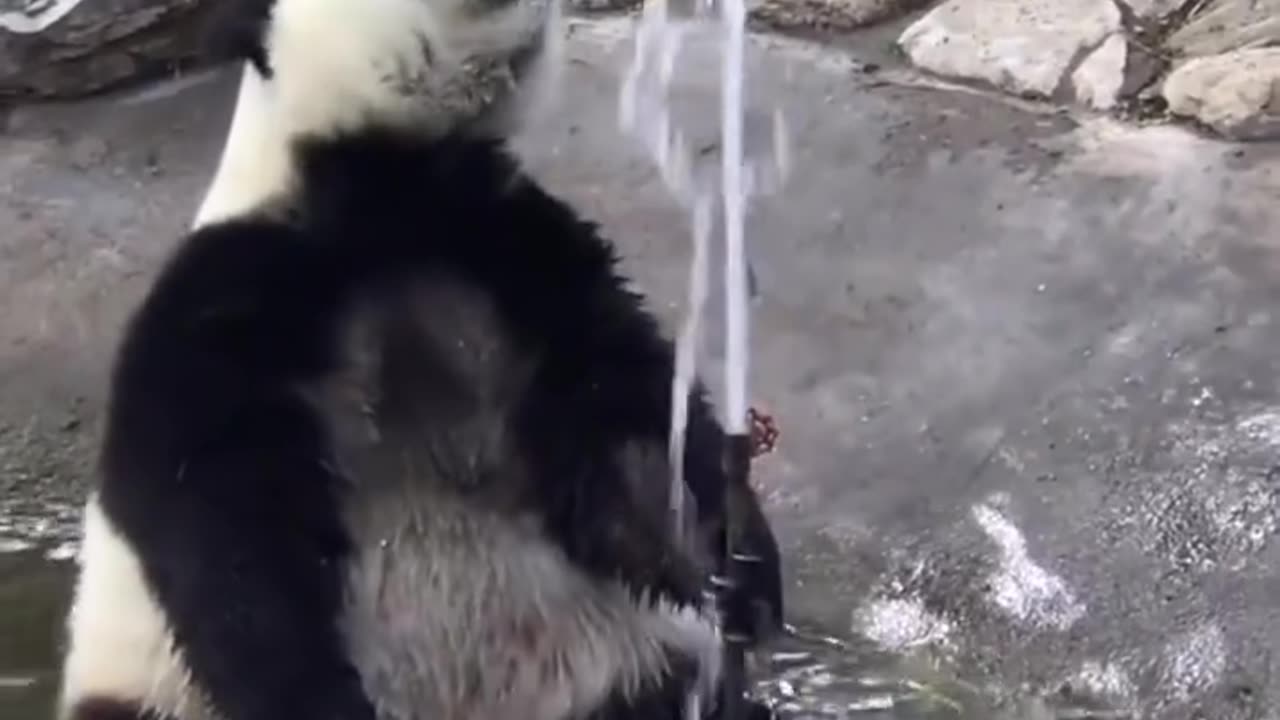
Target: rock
{"x": 1226, "y": 25}
{"x": 1115, "y": 72}
{"x": 1236, "y": 93}
{"x": 1027, "y": 47}
{"x": 68, "y": 48}
{"x": 840, "y": 15}
{"x": 1100, "y": 77}
{"x": 1154, "y": 10}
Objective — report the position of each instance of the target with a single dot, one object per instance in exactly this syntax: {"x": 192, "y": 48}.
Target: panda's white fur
{"x": 415, "y": 607}
{"x": 337, "y": 64}
{"x": 427, "y": 567}
{"x": 120, "y": 644}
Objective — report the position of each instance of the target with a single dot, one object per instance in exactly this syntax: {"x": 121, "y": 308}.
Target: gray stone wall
{"x": 69, "y": 48}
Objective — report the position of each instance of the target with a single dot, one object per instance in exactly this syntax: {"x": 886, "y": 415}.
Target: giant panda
{"x": 385, "y": 440}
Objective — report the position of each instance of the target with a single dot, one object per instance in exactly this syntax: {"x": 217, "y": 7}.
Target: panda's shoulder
{"x": 233, "y": 276}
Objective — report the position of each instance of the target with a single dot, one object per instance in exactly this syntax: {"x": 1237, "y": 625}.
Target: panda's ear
{"x": 237, "y": 31}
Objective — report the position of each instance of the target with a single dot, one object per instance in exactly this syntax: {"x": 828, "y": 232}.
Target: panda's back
{"x": 458, "y": 605}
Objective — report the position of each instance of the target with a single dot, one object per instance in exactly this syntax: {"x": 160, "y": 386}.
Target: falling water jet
{"x": 686, "y": 356}
{"x": 645, "y": 113}
{"x": 733, "y": 21}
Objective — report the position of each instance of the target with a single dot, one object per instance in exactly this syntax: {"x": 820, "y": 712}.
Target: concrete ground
{"x": 1024, "y": 365}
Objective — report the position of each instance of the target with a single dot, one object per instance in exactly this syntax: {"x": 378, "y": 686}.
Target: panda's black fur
{"x": 392, "y": 445}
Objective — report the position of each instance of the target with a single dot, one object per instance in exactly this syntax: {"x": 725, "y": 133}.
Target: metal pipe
{"x": 734, "y": 611}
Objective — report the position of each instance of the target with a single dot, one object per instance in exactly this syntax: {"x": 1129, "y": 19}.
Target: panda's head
{"x": 426, "y": 65}
{"x": 317, "y": 69}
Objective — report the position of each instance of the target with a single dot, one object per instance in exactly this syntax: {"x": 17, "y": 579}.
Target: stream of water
{"x": 646, "y": 113}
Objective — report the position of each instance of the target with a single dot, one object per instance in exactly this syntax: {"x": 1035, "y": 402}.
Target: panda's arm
{"x": 587, "y": 491}
{"x": 615, "y": 401}
{"x": 566, "y": 289}
{"x": 214, "y": 469}
{"x": 704, "y": 472}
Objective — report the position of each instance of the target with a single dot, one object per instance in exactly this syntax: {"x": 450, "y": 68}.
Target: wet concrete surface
{"x": 1024, "y": 366}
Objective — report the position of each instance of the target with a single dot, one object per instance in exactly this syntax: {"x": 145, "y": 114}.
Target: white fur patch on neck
{"x": 256, "y": 162}
{"x": 338, "y": 64}
{"x": 427, "y": 64}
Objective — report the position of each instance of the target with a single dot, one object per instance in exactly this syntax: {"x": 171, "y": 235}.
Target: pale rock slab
{"x": 1026, "y": 47}
{"x": 1235, "y": 93}
{"x": 1099, "y": 80}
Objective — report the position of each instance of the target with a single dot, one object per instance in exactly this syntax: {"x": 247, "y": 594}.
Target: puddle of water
{"x": 33, "y": 601}
{"x": 810, "y": 675}
{"x": 805, "y": 674}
